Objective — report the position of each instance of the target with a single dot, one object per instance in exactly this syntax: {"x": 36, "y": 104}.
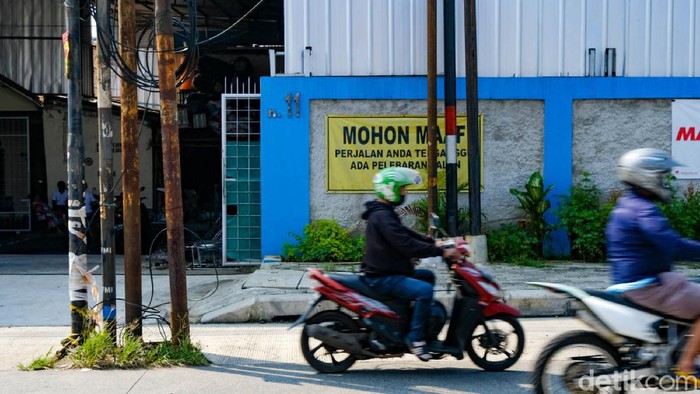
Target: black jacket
{"x": 389, "y": 245}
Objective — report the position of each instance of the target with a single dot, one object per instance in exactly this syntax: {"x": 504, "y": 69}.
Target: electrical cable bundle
{"x": 144, "y": 76}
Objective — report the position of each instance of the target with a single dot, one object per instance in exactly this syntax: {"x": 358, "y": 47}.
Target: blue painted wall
{"x": 285, "y": 139}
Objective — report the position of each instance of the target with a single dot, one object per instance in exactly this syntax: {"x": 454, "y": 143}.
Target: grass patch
{"x": 47, "y": 361}
{"x": 99, "y": 351}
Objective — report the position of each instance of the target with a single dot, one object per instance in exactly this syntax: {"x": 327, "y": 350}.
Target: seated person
{"x": 389, "y": 248}
{"x": 641, "y": 246}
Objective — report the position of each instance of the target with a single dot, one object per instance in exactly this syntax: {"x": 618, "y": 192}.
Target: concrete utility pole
{"x": 131, "y": 200}
{"x": 432, "y": 109}
{"x": 179, "y": 315}
{"x": 450, "y": 118}
{"x": 474, "y": 149}
{"x": 77, "y": 231}
{"x": 104, "y": 116}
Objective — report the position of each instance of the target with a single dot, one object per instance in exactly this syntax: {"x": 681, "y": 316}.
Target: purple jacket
{"x": 641, "y": 243}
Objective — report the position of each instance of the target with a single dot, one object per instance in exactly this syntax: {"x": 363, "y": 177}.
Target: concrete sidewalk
{"x": 34, "y": 289}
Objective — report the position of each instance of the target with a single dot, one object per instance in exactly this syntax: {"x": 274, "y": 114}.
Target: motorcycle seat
{"x": 618, "y": 299}
{"x": 357, "y": 283}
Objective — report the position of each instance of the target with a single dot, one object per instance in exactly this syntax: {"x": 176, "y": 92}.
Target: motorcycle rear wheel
{"x": 500, "y": 337}
{"x": 322, "y": 357}
{"x": 571, "y": 356}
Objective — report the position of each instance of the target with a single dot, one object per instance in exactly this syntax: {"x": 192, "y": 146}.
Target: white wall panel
{"x": 574, "y": 49}
{"x": 34, "y": 59}
{"x": 657, "y": 48}
{"x": 360, "y": 40}
{"x": 514, "y": 37}
{"x": 529, "y": 40}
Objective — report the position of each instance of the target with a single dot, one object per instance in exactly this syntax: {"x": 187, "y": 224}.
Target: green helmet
{"x": 389, "y": 181}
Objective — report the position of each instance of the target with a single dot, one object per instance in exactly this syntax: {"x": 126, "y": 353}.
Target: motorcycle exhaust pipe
{"x": 348, "y": 342}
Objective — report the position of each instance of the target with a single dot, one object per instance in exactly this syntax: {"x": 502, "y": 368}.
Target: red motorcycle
{"x": 362, "y": 324}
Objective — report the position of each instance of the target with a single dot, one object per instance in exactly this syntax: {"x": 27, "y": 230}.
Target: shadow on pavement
{"x": 34, "y": 243}
{"x": 384, "y": 379}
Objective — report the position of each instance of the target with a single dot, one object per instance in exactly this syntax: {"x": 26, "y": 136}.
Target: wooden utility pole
{"x": 104, "y": 116}
{"x": 432, "y": 109}
{"x": 474, "y": 149}
{"x": 179, "y": 316}
{"x": 131, "y": 193}
{"x": 77, "y": 232}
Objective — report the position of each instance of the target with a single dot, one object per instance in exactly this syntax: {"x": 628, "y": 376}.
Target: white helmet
{"x": 646, "y": 168}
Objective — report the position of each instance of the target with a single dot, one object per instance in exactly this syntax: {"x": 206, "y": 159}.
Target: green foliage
{"x": 325, "y": 241}
{"x": 44, "y": 362}
{"x": 585, "y": 217}
{"x": 512, "y": 244}
{"x": 419, "y": 209}
{"x": 534, "y": 203}
{"x": 99, "y": 351}
{"x": 96, "y": 351}
{"x": 186, "y": 353}
{"x": 683, "y": 212}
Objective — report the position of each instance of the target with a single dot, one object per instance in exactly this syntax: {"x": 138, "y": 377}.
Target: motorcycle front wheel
{"x": 496, "y": 342}
{"x": 569, "y": 363}
{"x": 321, "y": 356}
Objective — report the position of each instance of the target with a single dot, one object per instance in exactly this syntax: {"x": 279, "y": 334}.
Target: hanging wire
{"x": 144, "y": 76}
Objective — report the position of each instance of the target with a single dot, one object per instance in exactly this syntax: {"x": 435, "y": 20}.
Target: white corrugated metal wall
{"x": 527, "y": 38}
{"x": 31, "y": 52}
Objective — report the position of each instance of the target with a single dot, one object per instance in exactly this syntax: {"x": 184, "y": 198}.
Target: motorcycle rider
{"x": 641, "y": 247}
{"x": 389, "y": 248}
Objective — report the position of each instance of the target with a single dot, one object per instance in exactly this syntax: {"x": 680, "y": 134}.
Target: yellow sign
{"x": 358, "y": 146}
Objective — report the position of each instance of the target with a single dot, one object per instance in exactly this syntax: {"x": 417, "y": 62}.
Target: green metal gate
{"x": 241, "y": 177}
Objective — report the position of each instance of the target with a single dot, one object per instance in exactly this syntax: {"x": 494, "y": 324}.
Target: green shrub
{"x": 512, "y": 244}
{"x": 325, "y": 241}
{"x": 534, "y": 203}
{"x": 683, "y": 212}
{"x": 584, "y": 217}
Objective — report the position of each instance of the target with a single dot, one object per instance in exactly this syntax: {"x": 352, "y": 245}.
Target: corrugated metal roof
{"x": 521, "y": 38}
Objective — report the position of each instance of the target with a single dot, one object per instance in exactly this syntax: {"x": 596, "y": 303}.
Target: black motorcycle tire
{"x": 496, "y": 366}
{"x": 571, "y": 338}
{"x": 338, "y": 321}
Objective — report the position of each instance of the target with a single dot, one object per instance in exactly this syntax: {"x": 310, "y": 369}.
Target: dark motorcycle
{"x": 367, "y": 325}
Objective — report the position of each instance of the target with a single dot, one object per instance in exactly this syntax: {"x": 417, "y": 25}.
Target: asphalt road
{"x": 265, "y": 358}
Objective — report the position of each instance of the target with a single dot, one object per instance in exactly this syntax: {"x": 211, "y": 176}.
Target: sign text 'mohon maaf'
{"x": 357, "y": 146}
{"x": 393, "y": 135}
